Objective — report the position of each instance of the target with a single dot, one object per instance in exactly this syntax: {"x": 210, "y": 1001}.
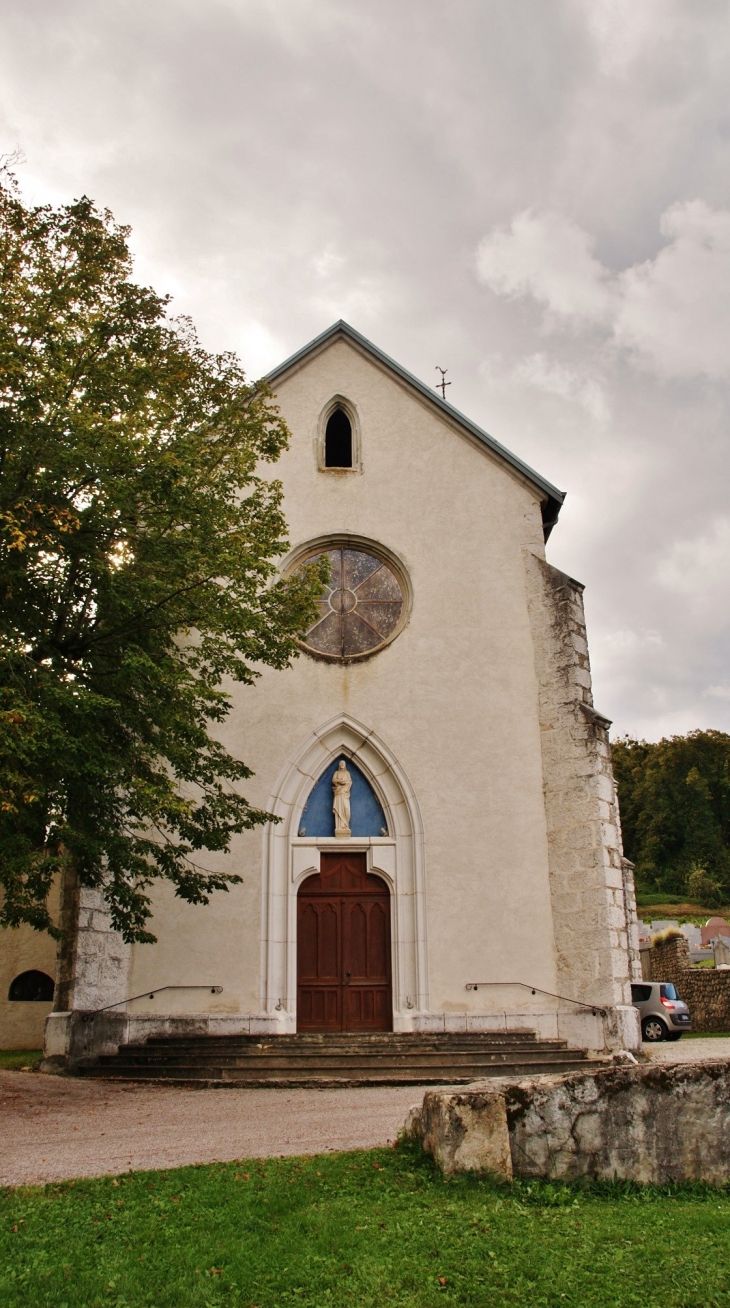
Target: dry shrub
{"x": 669, "y": 933}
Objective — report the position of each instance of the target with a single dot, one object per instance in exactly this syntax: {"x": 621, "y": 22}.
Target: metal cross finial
{"x": 441, "y": 386}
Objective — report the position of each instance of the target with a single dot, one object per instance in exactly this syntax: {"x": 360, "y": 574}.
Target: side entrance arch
{"x": 343, "y": 948}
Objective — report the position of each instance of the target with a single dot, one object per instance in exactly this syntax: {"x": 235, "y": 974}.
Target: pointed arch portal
{"x": 393, "y": 860}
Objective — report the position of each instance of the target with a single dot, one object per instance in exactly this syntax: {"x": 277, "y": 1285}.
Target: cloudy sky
{"x": 534, "y": 194}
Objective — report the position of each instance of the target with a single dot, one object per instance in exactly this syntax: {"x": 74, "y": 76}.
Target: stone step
{"x": 273, "y": 1049}
{"x": 331, "y": 1038}
{"x": 313, "y": 1062}
{"x": 342, "y": 1058}
{"x": 213, "y": 1076}
{"x": 215, "y": 1046}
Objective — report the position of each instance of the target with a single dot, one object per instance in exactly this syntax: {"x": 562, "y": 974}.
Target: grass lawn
{"x": 362, "y": 1229}
{"x": 15, "y": 1059}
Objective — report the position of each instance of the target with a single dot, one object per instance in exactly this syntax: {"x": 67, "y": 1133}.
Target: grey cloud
{"x": 287, "y": 162}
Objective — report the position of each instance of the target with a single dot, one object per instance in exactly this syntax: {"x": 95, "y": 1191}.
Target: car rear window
{"x": 640, "y": 994}
{"x": 667, "y": 991}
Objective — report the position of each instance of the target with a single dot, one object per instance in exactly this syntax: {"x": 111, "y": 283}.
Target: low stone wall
{"x": 603, "y": 1030}
{"x": 705, "y": 989}
{"x": 669, "y": 959}
{"x": 650, "y": 1124}
{"x": 75, "y": 1039}
{"x": 707, "y": 993}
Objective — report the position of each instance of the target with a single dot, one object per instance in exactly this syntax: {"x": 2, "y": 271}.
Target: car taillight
{"x": 667, "y": 1003}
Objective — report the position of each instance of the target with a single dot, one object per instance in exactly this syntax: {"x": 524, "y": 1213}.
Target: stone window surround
{"x": 351, "y": 410}
{"x": 288, "y": 859}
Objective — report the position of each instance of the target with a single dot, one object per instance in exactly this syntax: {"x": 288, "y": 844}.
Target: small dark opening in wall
{"x": 338, "y": 441}
{"x": 31, "y": 985}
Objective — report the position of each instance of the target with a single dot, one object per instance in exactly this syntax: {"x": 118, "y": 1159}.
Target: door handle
{"x": 348, "y": 974}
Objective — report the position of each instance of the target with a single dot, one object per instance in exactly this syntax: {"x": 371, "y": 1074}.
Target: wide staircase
{"x": 331, "y": 1060}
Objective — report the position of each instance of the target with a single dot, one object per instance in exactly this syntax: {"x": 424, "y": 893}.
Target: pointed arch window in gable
{"x": 338, "y": 440}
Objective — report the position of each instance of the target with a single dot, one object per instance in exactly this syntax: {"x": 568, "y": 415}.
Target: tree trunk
{"x": 68, "y": 944}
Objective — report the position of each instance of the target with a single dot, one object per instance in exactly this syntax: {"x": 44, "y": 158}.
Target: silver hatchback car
{"x": 664, "y": 1016}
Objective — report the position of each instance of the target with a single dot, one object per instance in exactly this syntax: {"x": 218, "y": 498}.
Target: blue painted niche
{"x": 366, "y": 814}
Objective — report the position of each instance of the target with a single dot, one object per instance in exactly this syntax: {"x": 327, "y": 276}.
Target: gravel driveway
{"x": 56, "y": 1128}
{"x": 688, "y": 1050}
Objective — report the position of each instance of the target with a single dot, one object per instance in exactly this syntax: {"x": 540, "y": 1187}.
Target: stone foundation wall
{"x": 705, "y": 990}
{"x": 651, "y": 1124}
{"x": 75, "y": 1039}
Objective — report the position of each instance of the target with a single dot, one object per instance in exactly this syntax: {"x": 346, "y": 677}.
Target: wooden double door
{"x": 343, "y": 948}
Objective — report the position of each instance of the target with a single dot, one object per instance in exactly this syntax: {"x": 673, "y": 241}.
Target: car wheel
{"x": 653, "y": 1030}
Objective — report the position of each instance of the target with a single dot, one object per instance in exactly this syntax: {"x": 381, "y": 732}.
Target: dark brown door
{"x": 343, "y": 948}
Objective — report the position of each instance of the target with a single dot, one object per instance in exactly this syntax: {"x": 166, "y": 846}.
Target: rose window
{"x": 361, "y": 609}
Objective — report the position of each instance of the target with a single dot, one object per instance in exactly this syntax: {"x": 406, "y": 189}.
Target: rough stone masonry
{"x": 705, "y": 989}
{"x": 649, "y": 1124}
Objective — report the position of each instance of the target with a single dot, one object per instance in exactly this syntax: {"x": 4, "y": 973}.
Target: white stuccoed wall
{"x": 456, "y": 700}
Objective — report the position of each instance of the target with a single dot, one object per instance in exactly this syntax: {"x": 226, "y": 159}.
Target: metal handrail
{"x": 148, "y": 994}
{"x": 536, "y": 990}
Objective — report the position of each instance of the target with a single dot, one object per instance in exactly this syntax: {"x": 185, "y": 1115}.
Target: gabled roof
{"x": 551, "y": 498}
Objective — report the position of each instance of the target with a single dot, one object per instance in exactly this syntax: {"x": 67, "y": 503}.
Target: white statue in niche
{"x": 341, "y": 787}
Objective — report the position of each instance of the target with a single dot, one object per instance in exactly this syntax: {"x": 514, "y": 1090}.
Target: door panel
{"x": 356, "y": 938}
{"x": 379, "y": 941}
{"x": 319, "y": 963}
{"x": 366, "y": 956}
{"x": 343, "y": 948}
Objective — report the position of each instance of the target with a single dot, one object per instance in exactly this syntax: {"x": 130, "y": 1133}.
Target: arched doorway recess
{"x": 396, "y": 858}
{"x": 343, "y": 948}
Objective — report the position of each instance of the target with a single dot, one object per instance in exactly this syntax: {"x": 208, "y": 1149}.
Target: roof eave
{"x": 551, "y": 498}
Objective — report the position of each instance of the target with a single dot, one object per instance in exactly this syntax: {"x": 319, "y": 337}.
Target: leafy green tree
{"x": 675, "y": 809}
{"x": 137, "y": 573}
{"x": 702, "y": 889}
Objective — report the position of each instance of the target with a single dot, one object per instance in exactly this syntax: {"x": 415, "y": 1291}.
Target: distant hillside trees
{"x": 675, "y": 812}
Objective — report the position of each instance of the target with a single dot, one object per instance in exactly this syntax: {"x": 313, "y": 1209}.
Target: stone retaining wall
{"x": 650, "y": 1124}
{"x": 705, "y": 989}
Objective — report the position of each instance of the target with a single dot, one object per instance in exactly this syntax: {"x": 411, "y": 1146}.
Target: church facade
{"x": 447, "y": 851}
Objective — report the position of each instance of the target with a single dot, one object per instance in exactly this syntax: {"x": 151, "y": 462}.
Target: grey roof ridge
{"x": 342, "y": 328}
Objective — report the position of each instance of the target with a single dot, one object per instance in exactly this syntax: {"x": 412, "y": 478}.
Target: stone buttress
{"x": 591, "y": 884}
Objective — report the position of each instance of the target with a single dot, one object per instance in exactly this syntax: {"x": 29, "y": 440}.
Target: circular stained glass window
{"x": 361, "y": 609}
